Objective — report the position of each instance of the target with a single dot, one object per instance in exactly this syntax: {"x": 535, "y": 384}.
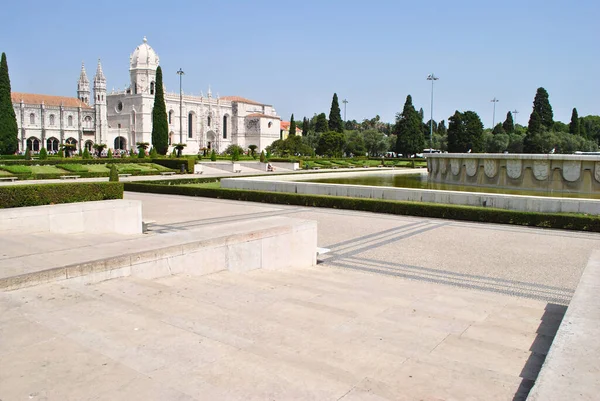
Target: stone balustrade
{"x": 562, "y": 173}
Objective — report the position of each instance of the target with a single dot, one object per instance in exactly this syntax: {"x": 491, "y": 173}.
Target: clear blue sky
{"x": 294, "y": 55}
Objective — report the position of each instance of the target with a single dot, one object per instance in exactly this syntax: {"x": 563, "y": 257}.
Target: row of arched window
{"x": 53, "y": 144}
{"x": 192, "y": 123}
{"x": 87, "y": 121}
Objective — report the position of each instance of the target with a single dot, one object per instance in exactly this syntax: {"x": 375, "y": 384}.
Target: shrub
{"x": 132, "y": 153}
{"x": 141, "y": 153}
{"x": 43, "y": 154}
{"x": 235, "y": 156}
{"x": 262, "y": 156}
{"x": 28, "y": 153}
{"x": 47, "y": 194}
{"x": 175, "y": 163}
{"x": 213, "y": 156}
{"x": 109, "y": 154}
{"x": 86, "y": 154}
{"x": 443, "y": 211}
{"x": 153, "y": 153}
{"x": 61, "y": 153}
{"x": 114, "y": 174}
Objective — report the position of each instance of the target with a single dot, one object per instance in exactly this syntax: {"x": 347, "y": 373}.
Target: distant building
{"x": 285, "y": 130}
{"x": 121, "y": 119}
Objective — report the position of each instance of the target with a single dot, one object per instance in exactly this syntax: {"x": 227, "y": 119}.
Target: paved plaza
{"x": 402, "y": 308}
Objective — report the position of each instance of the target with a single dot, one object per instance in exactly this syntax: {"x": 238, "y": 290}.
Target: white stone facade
{"x": 121, "y": 119}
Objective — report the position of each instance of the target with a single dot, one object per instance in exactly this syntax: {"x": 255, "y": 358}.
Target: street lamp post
{"x": 345, "y": 103}
{"x": 494, "y": 100}
{"x": 431, "y": 78}
{"x": 515, "y": 112}
{"x": 180, "y": 73}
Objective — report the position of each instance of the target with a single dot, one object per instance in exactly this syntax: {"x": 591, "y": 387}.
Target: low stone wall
{"x": 117, "y": 216}
{"x": 501, "y": 201}
{"x": 571, "y": 370}
{"x": 563, "y": 173}
{"x": 271, "y": 243}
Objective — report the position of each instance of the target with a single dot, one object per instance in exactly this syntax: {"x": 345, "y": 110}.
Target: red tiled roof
{"x": 263, "y": 116}
{"x": 240, "y": 99}
{"x": 49, "y": 100}
{"x": 285, "y": 125}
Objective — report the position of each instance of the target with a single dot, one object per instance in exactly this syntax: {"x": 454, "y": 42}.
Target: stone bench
{"x": 12, "y": 179}
{"x": 167, "y": 173}
{"x": 69, "y": 177}
{"x": 124, "y": 175}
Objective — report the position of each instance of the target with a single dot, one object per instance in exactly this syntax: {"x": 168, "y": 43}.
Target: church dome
{"x": 144, "y": 57}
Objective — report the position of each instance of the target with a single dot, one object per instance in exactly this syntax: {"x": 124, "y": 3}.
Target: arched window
{"x": 170, "y": 116}
{"x": 152, "y": 88}
{"x": 33, "y": 144}
{"x": 70, "y": 121}
{"x": 87, "y": 122}
{"x": 224, "y": 127}
{"x": 52, "y": 144}
{"x": 88, "y": 145}
{"x": 32, "y": 118}
{"x": 51, "y": 118}
{"x": 208, "y": 121}
{"x": 191, "y": 125}
{"x": 120, "y": 143}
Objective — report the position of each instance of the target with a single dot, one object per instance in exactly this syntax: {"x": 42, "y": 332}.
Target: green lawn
{"x": 4, "y": 173}
{"x": 47, "y": 170}
{"x": 97, "y": 168}
{"x": 17, "y": 169}
{"x": 214, "y": 185}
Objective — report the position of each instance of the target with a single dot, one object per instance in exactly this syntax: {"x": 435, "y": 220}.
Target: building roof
{"x": 48, "y": 100}
{"x": 240, "y": 99}
{"x": 285, "y": 126}
{"x": 261, "y": 115}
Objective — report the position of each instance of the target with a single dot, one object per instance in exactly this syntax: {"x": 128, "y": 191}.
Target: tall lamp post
{"x": 345, "y": 103}
{"x": 180, "y": 73}
{"x": 431, "y": 78}
{"x": 494, "y": 100}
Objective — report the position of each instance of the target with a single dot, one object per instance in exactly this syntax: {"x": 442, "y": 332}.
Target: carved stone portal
{"x": 490, "y": 167}
{"x": 541, "y": 169}
{"x": 571, "y": 170}
{"x": 513, "y": 168}
{"x": 471, "y": 167}
{"x": 455, "y": 166}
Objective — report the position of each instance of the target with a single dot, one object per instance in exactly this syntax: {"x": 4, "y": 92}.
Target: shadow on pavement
{"x": 546, "y": 331}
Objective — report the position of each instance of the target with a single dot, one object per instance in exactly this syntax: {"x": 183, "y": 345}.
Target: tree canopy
{"x": 9, "y": 142}
{"x": 509, "y": 124}
{"x": 409, "y": 130}
{"x": 331, "y": 144}
{"x": 292, "y": 126}
{"x": 335, "y": 117}
{"x": 160, "y": 124}
{"x": 575, "y": 126}
{"x": 465, "y": 133}
{"x": 541, "y": 105}
{"x": 321, "y": 125}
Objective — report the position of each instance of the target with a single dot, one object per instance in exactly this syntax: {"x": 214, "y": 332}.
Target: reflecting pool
{"x": 421, "y": 181}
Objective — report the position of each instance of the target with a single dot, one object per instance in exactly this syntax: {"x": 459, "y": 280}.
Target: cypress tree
{"x": 9, "y": 141}
{"x": 574, "y": 126}
{"x": 321, "y": 125}
{"x": 509, "y": 124}
{"x": 408, "y": 130}
{"x": 305, "y": 126}
{"x": 335, "y": 116}
{"x": 583, "y": 131}
{"x": 541, "y": 105}
{"x": 160, "y": 125}
{"x": 465, "y": 132}
{"x": 292, "y": 126}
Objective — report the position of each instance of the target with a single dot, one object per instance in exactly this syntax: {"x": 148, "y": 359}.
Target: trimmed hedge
{"x": 175, "y": 164}
{"x": 433, "y": 210}
{"x": 49, "y": 194}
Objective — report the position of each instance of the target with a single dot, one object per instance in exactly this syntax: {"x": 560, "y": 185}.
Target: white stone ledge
{"x": 506, "y": 156}
{"x": 500, "y": 201}
{"x": 116, "y": 216}
{"x": 278, "y": 243}
{"x": 571, "y": 370}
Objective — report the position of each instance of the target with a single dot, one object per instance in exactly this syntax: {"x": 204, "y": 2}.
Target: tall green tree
{"x": 321, "y": 124}
{"x": 305, "y": 126}
{"x": 335, "y": 118}
{"x": 9, "y": 141}
{"x": 575, "y": 125}
{"x": 292, "y": 126}
{"x": 160, "y": 125}
{"x": 541, "y": 105}
{"x": 465, "y": 133}
{"x": 535, "y": 130}
{"x": 441, "y": 128}
{"x": 409, "y": 130}
{"x": 509, "y": 124}
{"x": 331, "y": 144}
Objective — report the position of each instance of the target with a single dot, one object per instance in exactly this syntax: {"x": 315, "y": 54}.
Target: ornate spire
{"x": 209, "y": 93}
{"x": 83, "y": 79}
{"x": 99, "y": 73}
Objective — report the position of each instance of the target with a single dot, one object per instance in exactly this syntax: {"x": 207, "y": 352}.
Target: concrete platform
{"x": 401, "y": 308}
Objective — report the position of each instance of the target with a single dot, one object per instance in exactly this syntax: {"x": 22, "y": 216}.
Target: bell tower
{"x": 100, "y": 104}
{"x": 83, "y": 86}
{"x": 142, "y": 69}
